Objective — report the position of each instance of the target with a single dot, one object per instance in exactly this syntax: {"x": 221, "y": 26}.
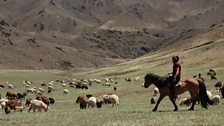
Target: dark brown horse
{"x": 196, "y": 88}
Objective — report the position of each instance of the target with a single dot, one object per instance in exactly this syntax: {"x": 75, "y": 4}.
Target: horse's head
{"x": 148, "y": 80}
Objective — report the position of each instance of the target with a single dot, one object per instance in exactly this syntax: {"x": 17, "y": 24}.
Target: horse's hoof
{"x": 190, "y": 109}
{"x": 154, "y": 110}
{"x": 176, "y": 109}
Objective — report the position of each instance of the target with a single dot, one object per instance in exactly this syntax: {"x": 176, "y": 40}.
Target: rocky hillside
{"x": 64, "y": 34}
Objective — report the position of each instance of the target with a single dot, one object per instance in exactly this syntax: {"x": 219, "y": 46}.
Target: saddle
{"x": 169, "y": 82}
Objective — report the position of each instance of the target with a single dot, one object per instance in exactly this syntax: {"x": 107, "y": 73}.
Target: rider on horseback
{"x": 176, "y": 75}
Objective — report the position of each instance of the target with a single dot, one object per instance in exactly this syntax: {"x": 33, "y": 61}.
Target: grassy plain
{"x": 134, "y": 109}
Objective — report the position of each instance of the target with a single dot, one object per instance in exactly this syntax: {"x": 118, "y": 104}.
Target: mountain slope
{"x": 49, "y": 34}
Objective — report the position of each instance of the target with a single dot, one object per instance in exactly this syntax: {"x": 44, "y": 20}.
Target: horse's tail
{"x": 203, "y": 95}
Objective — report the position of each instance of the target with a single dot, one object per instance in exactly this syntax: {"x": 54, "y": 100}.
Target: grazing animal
{"x": 136, "y": 78}
{"x": 49, "y": 91}
{"x": 3, "y": 103}
{"x": 106, "y": 99}
{"x": 111, "y": 99}
{"x": 209, "y": 93}
{"x": 43, "y": 84}
{"x": 196, "y": 88}
{"x": 128, "y": 79}
{"x": 212, "y": 74}
{"x": 13, "y": 104}
{"x": 37, "y": 104}
{"x": 10, "y": 86}
{"x": 65, "y": 91}
{"x": 52, "y": 101}
{"x": 185, "y": 102}
{"x": 81, "y": 85}
{"x": 155, "y": 91}
{"x": 152, "y": 100}
{"x": 82, "y": 100}
{"x": 11, "y": 95}
{"x": 50, "y": 87}
{"x": 28, "y": 100}
{"x": 41, "y": 90}
{"x": 99, "y": 103}
{"x": 89, "y": 95}
{"x": 21, "y": 95}
{"x": 216, "y": 99}
{"x": 91, "y": 102}
{"x": 2, "y": 86}
{"x": 106, "y": 84}
{"x": 46, "y": 100}
{"x": 218, "y": 85}
{"x": 222, "y": 91}
{"x": 64, "y": 85}
{"x": 31, "y": 90}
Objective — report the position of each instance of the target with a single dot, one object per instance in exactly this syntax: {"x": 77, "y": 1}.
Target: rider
{"x": 176, "y": 75}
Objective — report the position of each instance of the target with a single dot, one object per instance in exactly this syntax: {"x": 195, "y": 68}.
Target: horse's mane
{"x": 159, "y": 81}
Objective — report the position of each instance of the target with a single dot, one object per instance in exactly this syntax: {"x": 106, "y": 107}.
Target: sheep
{"x": 222, "y": 91}
{"x": 82, "y": 100}
{"x": 11, "y": 95}
{"x": 97, "y": 81}
{"x": 37, "y": 104}
{"x": 106, "y": 79}
{"x": 216, "y": 99}
{"x": 106, "y": 99}
{"x": 136, "y": 78}
{"x": 13, "y": 104}
{"x": 155, "y": 91}
{"x": 64, "y": 85}
{"x": 31, "y": 90}
{"x": 114, "y": 100}
{"x": 3, "y": 103}
{"x": 209, "y": 94}
{"x": 127, "y": 78}
{"x": 152, "y": 100}
{"x": 39, "y": 93}
{"x": 99, "y": 103}
{"x": 91, "y": 102}
{"x": 45, "y": 99}
{"x": 21, "y": 95}
{"x": 65, "y": 91}
{"x": 185, "y": 102}
{"x": 212, "y": 74}
{"x": 218, "y": 85}
{"x": 106, "y": 84}
{"x": 43, "y": 84}
{"x": 50, "y": 87}
{"x": 111, "y": 80}
{"x": 2, "y": 86}
{"x": 10, "y": 86}
{"x": 41, "y": 90}
{"x": 28, "y": 100}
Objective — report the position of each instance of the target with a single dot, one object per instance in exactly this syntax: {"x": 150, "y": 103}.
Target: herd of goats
{"x": 13, "y": 101}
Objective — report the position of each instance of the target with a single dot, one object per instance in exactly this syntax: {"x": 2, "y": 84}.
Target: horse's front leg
{"x": 158, "y": 102}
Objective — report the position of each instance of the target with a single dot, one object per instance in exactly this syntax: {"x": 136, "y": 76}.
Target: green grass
{"x": 134, "y": 108}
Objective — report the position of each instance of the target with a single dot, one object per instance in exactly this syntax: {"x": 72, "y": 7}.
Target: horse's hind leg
{"x": 192, "y": 106}
{"x": 194, "y": 99}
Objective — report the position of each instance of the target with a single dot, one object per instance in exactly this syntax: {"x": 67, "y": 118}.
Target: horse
{"x": 196, "y": 88}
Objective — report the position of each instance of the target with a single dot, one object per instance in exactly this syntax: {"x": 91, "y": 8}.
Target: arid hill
{"x": 64, "y": 34}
